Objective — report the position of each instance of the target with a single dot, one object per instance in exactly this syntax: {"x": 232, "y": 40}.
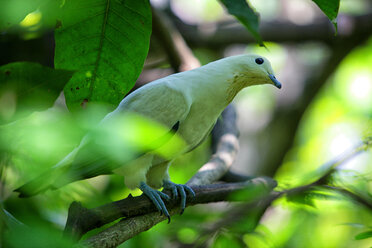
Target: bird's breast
{"x": 197, "y": 124}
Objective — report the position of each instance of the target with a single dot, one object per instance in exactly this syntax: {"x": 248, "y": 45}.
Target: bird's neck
{"x": 220, "y": 84}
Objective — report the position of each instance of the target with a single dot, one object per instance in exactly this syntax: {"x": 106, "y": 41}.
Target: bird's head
{"x": 248, "y": 70}
{"x": 254, "y": 70}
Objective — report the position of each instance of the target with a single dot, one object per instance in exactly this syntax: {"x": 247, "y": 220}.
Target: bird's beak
{"x": 275, "y": 81}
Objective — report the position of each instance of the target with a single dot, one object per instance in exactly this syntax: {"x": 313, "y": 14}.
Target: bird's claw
{"x": 179, "y": 189}
{"x": 157, "y": 198}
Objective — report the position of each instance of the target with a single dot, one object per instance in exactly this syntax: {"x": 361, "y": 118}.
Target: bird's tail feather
{"x": 40, "y": 184}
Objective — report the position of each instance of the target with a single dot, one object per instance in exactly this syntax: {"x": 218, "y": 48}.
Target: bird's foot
{"x": 156, "y": 197}
{"x": 179, "y": 190}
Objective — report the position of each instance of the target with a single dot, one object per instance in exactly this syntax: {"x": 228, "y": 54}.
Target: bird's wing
{"x": 203, "y": 139}
{"x": 160, "y": 103}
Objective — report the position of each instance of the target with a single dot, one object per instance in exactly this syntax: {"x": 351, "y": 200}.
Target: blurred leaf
{"x": 187, "y": 235}
{"x": 356, "y": 225}
{"x": 27, "y": 87}
{"x": 308, "y": 197}
{"x": 134, "y": 133}
{"x": 255, "y": 189}
{"x": 226, "y": 240}
{"x": 245, "y": 14}
{"x": 106, "y": 147}
{"x": 364, "y": 235}
{"x": 107, "y": 42}
{"x": 302, "y": 199}
{"x": 330, "y": 9}
{"x": 36, "y": 235}
{"x": 51, "y": 11}
{"x": 38, "y": 141}
{"x": 10, "y": 221}
{"x": 13, "y": 11}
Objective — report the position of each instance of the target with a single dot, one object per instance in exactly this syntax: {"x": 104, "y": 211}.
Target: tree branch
{"x": 132, "y": 207}
{"x": 179, "y": 54}
{"x": 321, "y": 30}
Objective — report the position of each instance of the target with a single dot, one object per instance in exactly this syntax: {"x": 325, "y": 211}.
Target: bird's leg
{"x": 156, "y": 198}
{"x": 178, "y": 190}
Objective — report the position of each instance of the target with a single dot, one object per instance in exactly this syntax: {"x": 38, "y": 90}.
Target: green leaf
{"x": 364, "y": 235}
{"x": 255, "y": 188}
{"x": 27, "y": 87}
{"x": 245, "y": 14}
{"x": 13, "y": 11}
{"x": 330, "y": 9}
{"x": 107, "y": 42}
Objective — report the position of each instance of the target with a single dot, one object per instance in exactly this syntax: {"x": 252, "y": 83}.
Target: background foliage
{"x": 95, "y": 51}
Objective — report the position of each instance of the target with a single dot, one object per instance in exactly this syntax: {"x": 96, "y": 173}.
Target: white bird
{"x": 187, "y": 103}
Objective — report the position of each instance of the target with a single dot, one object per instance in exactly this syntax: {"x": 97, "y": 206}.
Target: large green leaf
{"x": 330, "y": 9}
{"x": 245, "y": 14}
{"x": 106, "y": 41}
{"x": 26, "y": 87}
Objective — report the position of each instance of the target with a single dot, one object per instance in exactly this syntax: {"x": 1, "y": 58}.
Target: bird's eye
{"x": 259, "y": 61}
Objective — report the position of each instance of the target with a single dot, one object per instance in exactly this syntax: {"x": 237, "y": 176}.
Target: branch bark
{"x": 321, "y": 30}
{"x": 129, "y": 227}
{"x": 179, "y": 54}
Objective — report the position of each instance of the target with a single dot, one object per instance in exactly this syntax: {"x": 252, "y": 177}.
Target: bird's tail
{"x": 51, "y": 179}
{"x": 40, "y": 184}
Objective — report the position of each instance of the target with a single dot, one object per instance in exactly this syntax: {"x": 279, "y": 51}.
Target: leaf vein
{"x": 126, "y": 21}
{"x": 103, "y": 30}
{"x": 118, "y": 48}
{"x": 120, "y": 32}
{"x": 82, "y": 21}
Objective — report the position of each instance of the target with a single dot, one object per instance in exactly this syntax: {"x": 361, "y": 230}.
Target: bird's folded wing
{"x": 161, "y": 104}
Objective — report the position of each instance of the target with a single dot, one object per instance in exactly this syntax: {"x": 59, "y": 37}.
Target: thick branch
{"x": 321, "y": 30}
{"x": 134, "y": 206}
{"x": 179, "y": 54}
